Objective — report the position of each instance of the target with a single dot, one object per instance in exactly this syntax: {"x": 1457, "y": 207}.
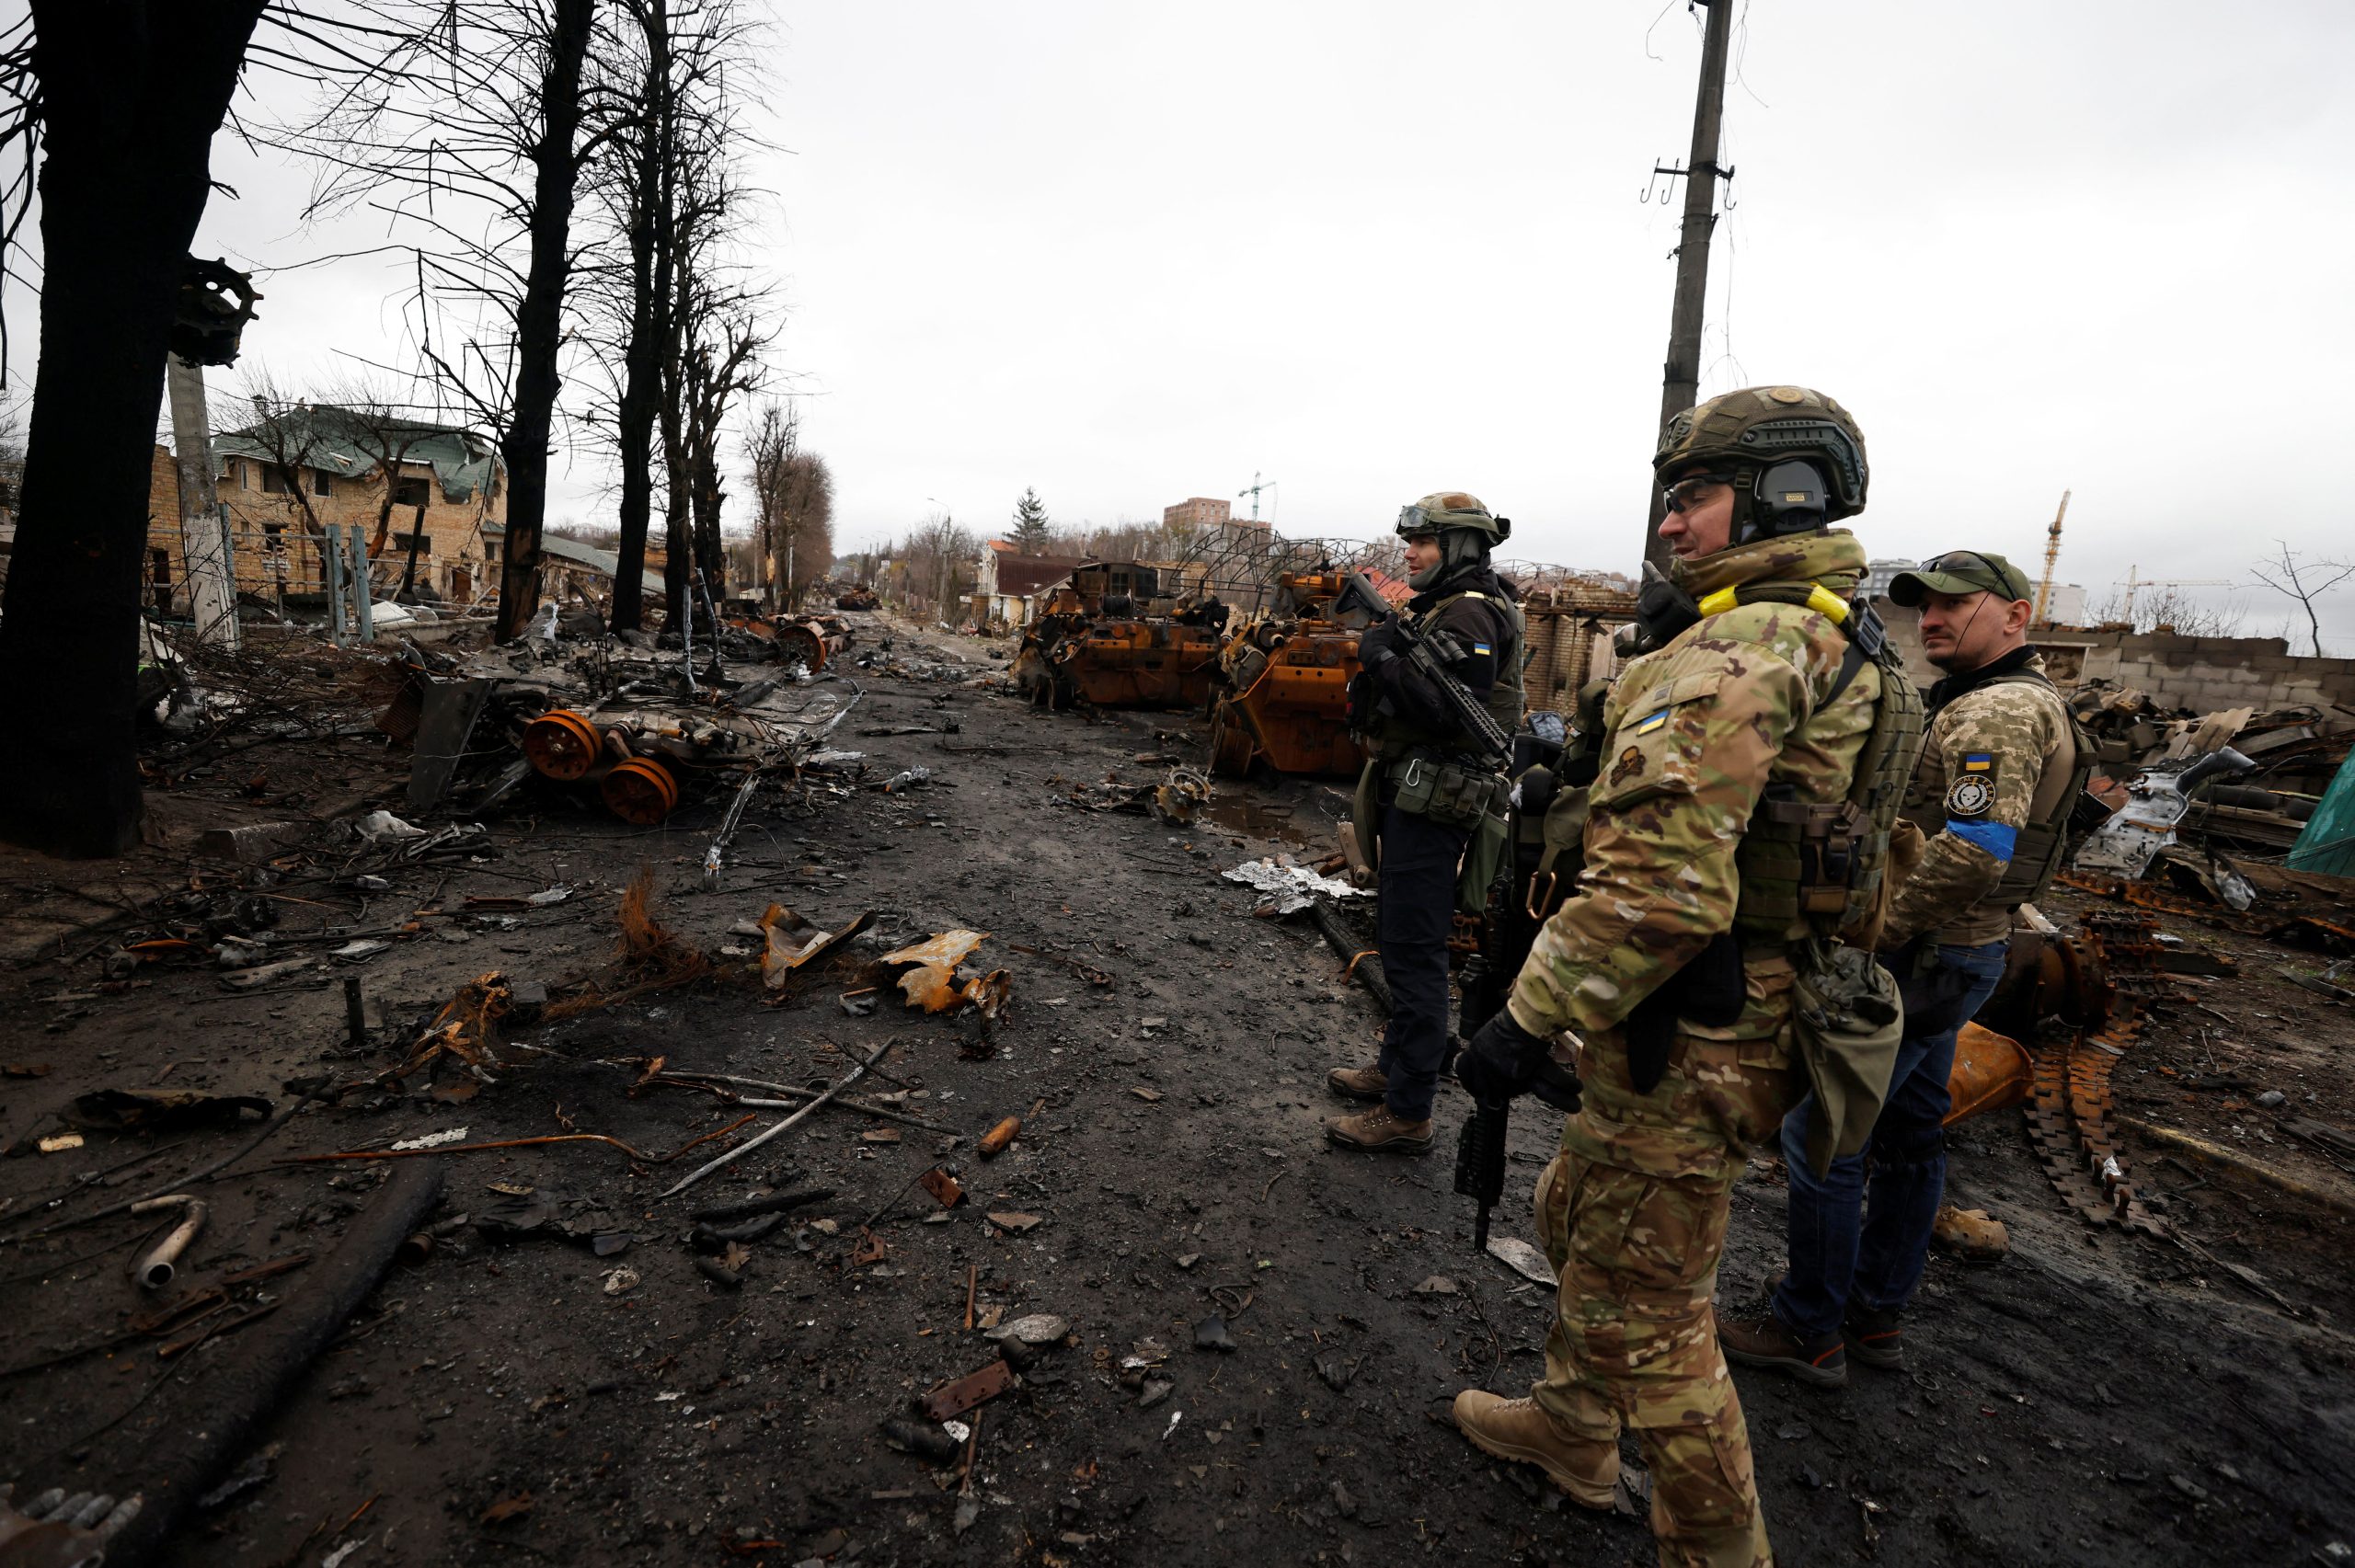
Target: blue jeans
{"x": 1844, "y": 1244}
{"x": 1418, "y": 863}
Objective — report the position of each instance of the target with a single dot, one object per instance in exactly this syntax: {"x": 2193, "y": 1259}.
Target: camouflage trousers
{"x": 1632, "y": 1213}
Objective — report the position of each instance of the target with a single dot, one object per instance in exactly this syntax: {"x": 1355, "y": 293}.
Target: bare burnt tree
{"x": 774, "y": 442}
{"x": 723, "y": 341}
{"x": 673, "y": 316}
{"x": 676, "y": 58}
{"x": 474, "y": 148}
{"x": 2292, "y": 575}
{"x": 809, "y": 514}
{"x": 290, "y": 441}
{"x": 793, "y": 504}
{"x": 107, "y": 109}
{"x": 368, "y": 424}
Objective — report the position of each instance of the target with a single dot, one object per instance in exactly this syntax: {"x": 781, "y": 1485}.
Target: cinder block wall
{"x": 2202, "y": 674}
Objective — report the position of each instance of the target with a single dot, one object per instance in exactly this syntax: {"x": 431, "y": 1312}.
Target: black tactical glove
{"x": 1380, "y": 643}
{"x": 1504, "y": 1060}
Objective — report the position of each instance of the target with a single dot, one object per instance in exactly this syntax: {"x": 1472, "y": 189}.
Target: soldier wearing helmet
{"x": 1673, "y": 959}
{"x": 1423, "y": 792}
{"x": 1992, "y": 796}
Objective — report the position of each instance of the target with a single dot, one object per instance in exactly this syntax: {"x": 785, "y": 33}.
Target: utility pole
{"x": 1681, "y": 376}
{"x": 204, "y": 540}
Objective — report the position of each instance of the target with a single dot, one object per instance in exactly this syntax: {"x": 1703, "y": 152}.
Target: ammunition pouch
{"x": 1847, "y": 1018}
{"x": 1807, "y": 853}
{"x": 1454, "y": 794}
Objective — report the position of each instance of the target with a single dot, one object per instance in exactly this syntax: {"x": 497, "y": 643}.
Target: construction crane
{"x": 1253, "y": 490}
{"x": 2052, "y": 558}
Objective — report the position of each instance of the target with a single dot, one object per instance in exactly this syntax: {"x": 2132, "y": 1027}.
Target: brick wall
{"x": 272, "y": 549}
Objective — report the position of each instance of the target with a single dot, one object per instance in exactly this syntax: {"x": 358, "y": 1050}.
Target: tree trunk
{"x": 131, "y": 93}
{"x": 710, "y": 552}
{"x": 539, "y": 320}
{"x": 649, "y": 276}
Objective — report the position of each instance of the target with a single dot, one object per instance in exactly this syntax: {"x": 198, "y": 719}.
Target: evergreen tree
{"x": 1030, "y": 523}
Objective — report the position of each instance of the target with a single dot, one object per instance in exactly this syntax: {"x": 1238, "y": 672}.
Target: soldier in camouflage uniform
{"x": 1755, "y": 699}
{"x": 1991, "y": 794}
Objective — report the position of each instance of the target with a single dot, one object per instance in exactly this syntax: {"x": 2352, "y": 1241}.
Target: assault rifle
{"x": 1471, "y": 715}
{"x": 1480, "y": 1161}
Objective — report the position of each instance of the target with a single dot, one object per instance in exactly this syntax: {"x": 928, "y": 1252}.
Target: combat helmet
{"x": 1444, "y": 510}
{"x": 1466, "y": 530}
{"x": 1795, "y": 457}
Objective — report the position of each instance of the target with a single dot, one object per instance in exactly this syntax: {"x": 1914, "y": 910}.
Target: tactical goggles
{"x": 1414, "y": 519}
{"x": 1685, "y": 494}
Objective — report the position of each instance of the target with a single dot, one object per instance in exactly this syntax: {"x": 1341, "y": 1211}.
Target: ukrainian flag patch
{"x": 1648, "y": 726}
{"x": 1978, "y": 762}
{"x": 1482, "y": 648}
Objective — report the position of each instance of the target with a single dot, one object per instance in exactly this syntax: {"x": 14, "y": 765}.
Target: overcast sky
{"x": 1129, "y": 254}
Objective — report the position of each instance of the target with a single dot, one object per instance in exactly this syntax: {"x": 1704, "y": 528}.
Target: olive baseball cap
{"x": 1960, "y": 572}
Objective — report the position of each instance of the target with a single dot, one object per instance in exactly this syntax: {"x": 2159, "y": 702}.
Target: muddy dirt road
{"x": 2093, "y": 1398}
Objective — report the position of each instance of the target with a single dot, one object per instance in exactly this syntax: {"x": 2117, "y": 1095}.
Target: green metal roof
{"x": 343, "y": 442}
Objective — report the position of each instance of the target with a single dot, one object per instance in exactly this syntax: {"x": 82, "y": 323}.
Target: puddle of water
{"x": 1285, "y": 822}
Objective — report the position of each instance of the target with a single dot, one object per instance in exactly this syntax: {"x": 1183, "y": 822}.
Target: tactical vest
{"x": 1817, "y": 862}
{"x": 2043, "y": 841}
{"x": 1399, "y": 738}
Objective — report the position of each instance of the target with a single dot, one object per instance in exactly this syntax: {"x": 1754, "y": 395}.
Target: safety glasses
{"x": 1685, "y": 494}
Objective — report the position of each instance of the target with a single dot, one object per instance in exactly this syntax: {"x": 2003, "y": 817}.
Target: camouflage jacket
{"x": 1984, "y": 755}
{"x": 1697, "y": 732}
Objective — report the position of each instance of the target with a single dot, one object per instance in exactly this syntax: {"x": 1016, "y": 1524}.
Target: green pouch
{"x": 1416, "y": 779}
{"x": 1485, "y": 854}
{"x": 1847, "y": 1020}
{"x": 1460, "y": 796}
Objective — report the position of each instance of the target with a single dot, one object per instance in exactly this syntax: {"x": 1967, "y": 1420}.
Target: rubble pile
{"x": 2294, "y": 752}
{"x": 617, "y": 721}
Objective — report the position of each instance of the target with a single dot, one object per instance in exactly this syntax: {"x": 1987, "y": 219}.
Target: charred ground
{"x": 2093, "y": 1398}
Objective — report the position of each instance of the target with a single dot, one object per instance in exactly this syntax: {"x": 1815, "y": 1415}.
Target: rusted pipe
{"x": 155, "y": 1267}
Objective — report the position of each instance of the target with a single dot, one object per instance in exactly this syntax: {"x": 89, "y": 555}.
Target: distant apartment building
{"x": 1197, "y": 512}
{"x": 2066, "y": 607}
{"x": 1879, "y": 574}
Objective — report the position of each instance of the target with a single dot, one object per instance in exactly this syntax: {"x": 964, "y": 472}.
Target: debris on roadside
{"x": 959, "y": 1395}
{"x": 161, "y": 1110}
{"x": 1970, "y": 1232}
{"x": 1173, "y": 801}
{"x": 1290, "y": 886}
{"x": 793, "y": 943}
{"x": 1524, "y": 1260}
{"x": 930, "y": 980}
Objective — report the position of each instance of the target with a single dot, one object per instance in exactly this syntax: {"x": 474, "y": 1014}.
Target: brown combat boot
{"x": 1358, "y": 1082}
{"x": 1519, "y": 1430}
{"x": 1378, "y": 1131}
{"x": 1765, "y": 1341}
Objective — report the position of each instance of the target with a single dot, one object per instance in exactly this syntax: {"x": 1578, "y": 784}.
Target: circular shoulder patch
{"x": 1970, "y": 795}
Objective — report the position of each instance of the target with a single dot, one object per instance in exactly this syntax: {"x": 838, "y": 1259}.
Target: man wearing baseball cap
{"x": 2001, "y": 769}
